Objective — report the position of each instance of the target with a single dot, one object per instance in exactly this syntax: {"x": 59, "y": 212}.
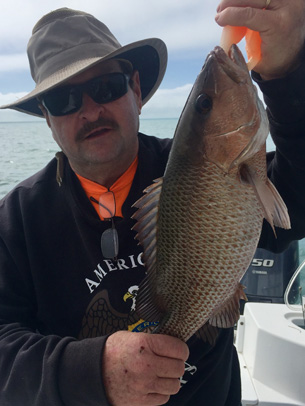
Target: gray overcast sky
{"x": 187, "y": 27}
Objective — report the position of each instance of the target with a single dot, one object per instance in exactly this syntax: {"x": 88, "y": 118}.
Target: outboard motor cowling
{"x": 269, "y": 273}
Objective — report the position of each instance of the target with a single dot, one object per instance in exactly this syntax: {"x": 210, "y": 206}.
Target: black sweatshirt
{"x": 60, "y": 299}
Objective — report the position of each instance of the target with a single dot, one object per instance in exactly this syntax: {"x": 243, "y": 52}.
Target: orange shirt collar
{"x": 120, "y": 188}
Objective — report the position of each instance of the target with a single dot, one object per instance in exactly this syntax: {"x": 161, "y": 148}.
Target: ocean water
{"x": 26, "y": 147}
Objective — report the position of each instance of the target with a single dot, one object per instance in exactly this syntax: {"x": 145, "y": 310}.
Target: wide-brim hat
{"x": 67, "y": 42}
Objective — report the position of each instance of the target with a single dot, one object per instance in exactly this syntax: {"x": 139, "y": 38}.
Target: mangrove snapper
{"x": 200, "y": 224}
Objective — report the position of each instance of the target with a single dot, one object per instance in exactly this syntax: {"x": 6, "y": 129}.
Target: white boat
{"x": 270, "y": 341}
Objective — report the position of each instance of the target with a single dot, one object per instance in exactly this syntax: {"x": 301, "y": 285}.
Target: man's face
{"x": 100, "y": 136}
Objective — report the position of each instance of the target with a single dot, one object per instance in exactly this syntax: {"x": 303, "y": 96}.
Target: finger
{"x": 254, "y": 18}
{"x": 154, "y": 399}
{"x": 259, "y": 4}
{"x": 169, "y": 368}
{"x": 170, "y": 347}
{"x": 150, "y": 399}
{"x": 165, "y": 386}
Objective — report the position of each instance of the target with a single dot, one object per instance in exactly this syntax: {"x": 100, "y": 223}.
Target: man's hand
{"x": 281, "y": 27}
{"x": 142, "y": 369}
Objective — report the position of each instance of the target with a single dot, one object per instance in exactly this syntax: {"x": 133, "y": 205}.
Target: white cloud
{"x": 13, "y": 62}
{"x": 12, "y": 116}
{"x": 10, "y": 97}
{"x": 8, "y": 115}
{"x": 186, "y": 26}
{"x": 167, "y": 103}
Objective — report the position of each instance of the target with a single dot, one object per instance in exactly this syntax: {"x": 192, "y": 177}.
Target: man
{"x": 68, "y": 280}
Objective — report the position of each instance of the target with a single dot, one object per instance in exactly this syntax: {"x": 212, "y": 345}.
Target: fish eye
{"x": 203, "y": 103}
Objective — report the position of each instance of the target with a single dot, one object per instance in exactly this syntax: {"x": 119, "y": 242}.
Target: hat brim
{"x": 148, "y": 56}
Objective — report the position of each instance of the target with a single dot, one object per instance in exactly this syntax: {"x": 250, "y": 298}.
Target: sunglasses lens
{"x": 63, "y": 101}
{"x": 110, "y": 243}
{"x": 69, "y": 99}
{"x": 108, "y": 88}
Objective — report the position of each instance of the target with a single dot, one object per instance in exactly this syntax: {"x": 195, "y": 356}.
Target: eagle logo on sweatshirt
{"x": 102, "y": 317}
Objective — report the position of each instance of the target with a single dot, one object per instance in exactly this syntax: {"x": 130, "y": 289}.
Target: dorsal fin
{"x": 146, "y": 228}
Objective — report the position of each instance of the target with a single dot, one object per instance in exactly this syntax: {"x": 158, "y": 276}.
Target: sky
{"x": 186, "y": 26}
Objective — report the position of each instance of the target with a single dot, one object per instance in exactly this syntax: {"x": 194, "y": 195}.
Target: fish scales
{"x": 217, "y": 232}
{"x": 210, "y": 205}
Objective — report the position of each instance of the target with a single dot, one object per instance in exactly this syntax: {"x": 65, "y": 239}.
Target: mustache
{"x": 91, "y": 126}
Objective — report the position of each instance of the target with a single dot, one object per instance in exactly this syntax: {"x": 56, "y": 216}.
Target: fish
{"x": 233, "y": 35}
{"x": 199, "y": 224}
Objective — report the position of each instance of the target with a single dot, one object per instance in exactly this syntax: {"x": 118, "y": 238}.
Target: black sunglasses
{"x": 69, "y": 99}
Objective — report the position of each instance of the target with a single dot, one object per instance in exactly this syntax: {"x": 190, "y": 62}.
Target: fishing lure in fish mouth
{"x": 233, "y": 35}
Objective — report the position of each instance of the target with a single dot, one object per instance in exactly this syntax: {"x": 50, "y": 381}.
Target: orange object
{"x": 120, "y": 189}
{"x": 233, "y": 35}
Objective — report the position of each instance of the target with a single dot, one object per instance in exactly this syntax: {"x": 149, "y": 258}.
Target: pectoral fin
{"x": 275, "y": 210}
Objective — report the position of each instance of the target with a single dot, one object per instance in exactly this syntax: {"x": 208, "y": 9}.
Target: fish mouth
{"x": 233, "y": 64}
